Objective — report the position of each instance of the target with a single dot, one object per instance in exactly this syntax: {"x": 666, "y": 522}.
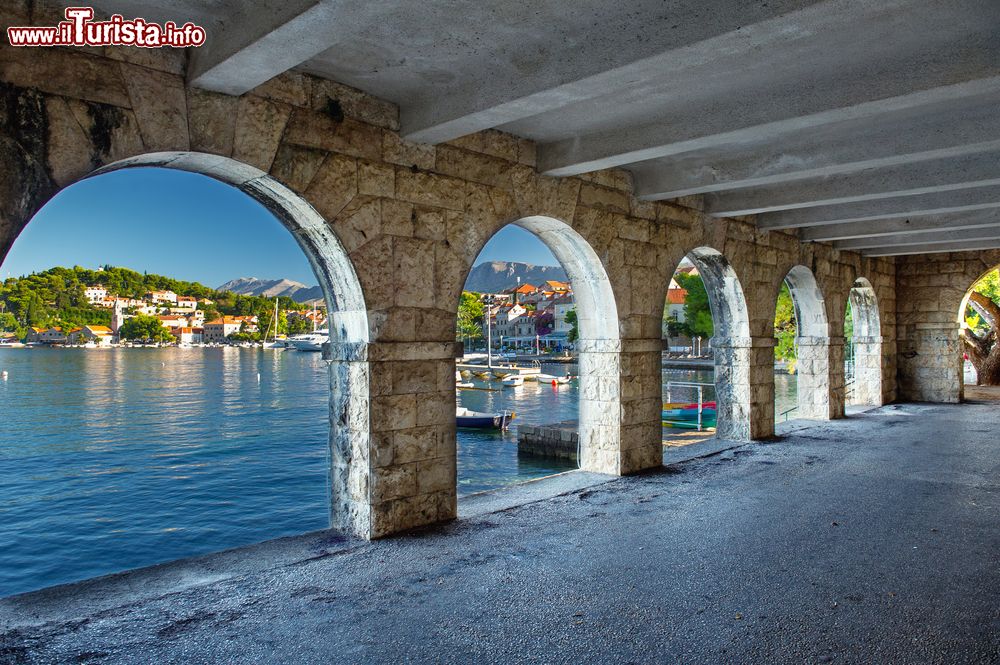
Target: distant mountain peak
{"x": 272, "y": 288}
{"x": 495, "y": 276}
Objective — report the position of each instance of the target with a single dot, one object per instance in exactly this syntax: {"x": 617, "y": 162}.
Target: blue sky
{"x": 187, "y": 226}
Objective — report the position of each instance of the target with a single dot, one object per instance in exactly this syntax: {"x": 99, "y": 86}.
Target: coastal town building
{"x": 95, "y": 294}
{"x": 99, "y": 335}
{"x": 189, "y": 335}
{"x": 219, "y": 329}
{"x": 165, "y": 297}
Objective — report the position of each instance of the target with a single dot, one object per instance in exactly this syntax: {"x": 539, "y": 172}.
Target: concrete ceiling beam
{"x": 889, "y": 227}
{"x": 979, "y": 198}
{"x": 511, "y": 87}
{"x": 261, "y": 42}
{"x": 933, "y": 248}
{"x": 925, "y": 177}
{"x": 629, "y": 144}
{"x": 905, "y": 239}
{"x": 942, "y": 131}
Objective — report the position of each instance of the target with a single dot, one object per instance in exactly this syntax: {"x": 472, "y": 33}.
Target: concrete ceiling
{"x": 873, "y": 125}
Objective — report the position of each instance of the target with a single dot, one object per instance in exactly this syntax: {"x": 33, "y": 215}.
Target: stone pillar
{"x": 394, "y": 454}
{"x": 619, "y": 405}
{"x": 744, "y": 387}
{"x": 930, "y": 363}
{"x": 819, "y": 369}
{"x": 867, "y": 385}
{"x": 641, "y": 403}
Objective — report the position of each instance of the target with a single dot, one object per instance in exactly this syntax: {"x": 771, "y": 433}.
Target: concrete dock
{"x": 873, "y": 539}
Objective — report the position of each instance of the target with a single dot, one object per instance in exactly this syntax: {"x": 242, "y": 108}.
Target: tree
{"x": 574, "y": 332}
{"x": 785, "y": 328}
{"x": 468, "y": 326}
{"x": 697, "y": 310}
{"x": 980, "y": 335}
{"x": 146, "y": 329}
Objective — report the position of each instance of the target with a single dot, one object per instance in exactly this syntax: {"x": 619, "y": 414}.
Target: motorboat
{"x": 553, "y": 379}
{"x": 512, "y": 380}
{"x": 460, "y": 382}
{"x": 685, "y": 416}
{"x": 480, "y": 420}
{"x": 313, "y": 341}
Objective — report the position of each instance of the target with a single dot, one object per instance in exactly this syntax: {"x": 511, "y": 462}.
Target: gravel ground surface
{"x": 870, "y": 540}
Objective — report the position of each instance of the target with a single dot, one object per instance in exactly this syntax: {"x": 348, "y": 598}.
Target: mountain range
{"x": 489, "y": 277}
{"x": 495, "y": 276}
{"x": 271, "y": 288}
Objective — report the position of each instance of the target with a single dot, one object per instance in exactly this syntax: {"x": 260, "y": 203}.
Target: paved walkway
{"x": 870, "y": 540}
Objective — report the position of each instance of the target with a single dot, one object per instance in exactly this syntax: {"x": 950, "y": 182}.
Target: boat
{"x": 274, "y": 343}
{"x": 313, "y": 341}
{"x": 480, "y": 420}
{"x": 512, "y": 380}
{"x": 685, "y": 416}
{"x": 553, "y": 379}
{"x": 460, "y": 382}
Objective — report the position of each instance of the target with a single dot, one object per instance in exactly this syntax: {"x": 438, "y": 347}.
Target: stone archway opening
{"x": 979, "y": 334}
{"x": 817, "y": 378}
{"x": 346, "y": 410}
{"x": 557, "y": 329}
{"x": 863, "y": 352}
{"x": 708, "y": 349}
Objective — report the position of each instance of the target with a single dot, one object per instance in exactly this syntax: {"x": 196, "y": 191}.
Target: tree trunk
{"x": 984, "y": 351}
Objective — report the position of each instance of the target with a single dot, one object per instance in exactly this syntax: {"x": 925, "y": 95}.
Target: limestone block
{"x": 500, "y": 144}
{"x": 259, "y": 125}
{"x": 212, "y": 121}
{"x": 113, "y": 131}
{"x": 393, "y": 482}
{"x": 160, "y": 105}
{"x": 354, "y": 103}
{"x": 334, "y": 185}
{"x": 475, "y": 167}
{"x": 69, "y": 148}
{"x": 65, "y": 72}
{"x": 419, "y": 444}
{"x": 347, "y": 136}
{"x": 397, "y": 216}
{"x": 436, "y": 475}
{"x": 429, "y": 223}
{"x": 430, "y": 189}
{"x": 289, "y": 87}
{"x": 413, "y": 267}
{"x": 397, "y": 150}
{"x": 526, "y": 152}
{"x": 596, "y": 196}
{"x": 394, "y": 412}
{"x": 376, "y": 179}
{"x": 296, "y": 166}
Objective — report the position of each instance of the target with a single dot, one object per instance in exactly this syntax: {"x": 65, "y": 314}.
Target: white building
{"x": 162, "y": 297}
{"x": 95, "y": 294}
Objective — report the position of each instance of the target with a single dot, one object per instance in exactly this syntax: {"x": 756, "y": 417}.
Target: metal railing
{"x": 701, "y": 394}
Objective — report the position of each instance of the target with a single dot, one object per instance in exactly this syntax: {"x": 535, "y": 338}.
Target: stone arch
{"x": 599, "y": 344}
{"x": 819, "y": 366}
{"x": 731, "y": 345}
{"x": 865, "y": 387}
{"x": 348, "y": 319}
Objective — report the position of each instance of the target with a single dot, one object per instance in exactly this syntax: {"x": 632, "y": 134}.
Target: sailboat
{"x": 273, "y": 344}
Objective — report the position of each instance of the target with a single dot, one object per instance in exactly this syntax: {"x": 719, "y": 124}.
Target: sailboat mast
{"x": 489, "y": 334}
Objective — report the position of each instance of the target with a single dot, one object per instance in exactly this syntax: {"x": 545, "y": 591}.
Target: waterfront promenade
{"x": 870, "y": 539}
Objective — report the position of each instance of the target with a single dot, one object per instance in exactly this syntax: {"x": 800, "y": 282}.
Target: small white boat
{"x": 512, "y": 380}
{"x": 313, "y": 341}
{"x": 551, "y": 378}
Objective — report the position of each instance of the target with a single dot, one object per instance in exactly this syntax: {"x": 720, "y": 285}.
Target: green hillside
{"x": 55, "y": 297}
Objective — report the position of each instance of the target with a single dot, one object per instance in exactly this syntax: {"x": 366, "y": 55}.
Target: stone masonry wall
{"x": 931, "y": 288}
{"x": 410, "y": 219}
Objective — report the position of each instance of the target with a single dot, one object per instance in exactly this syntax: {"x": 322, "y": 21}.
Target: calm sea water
{"x": 114, "y": 459}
